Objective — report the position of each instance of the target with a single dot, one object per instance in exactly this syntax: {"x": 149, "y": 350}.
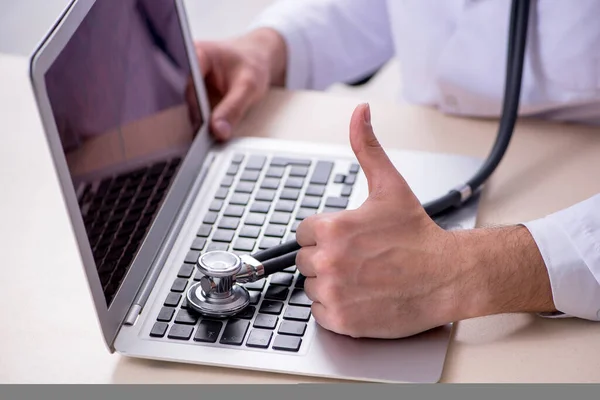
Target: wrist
{"x": 270, "y": 49}
{"x": 502, "y": 272}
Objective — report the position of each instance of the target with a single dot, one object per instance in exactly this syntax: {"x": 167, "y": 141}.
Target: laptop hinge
{"x": 156, "y": 268}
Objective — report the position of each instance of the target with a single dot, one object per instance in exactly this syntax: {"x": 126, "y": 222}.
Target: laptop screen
{"x": 126, "y": 110}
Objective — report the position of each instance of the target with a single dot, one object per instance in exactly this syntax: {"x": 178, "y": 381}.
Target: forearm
{"x": 502, "y": 272}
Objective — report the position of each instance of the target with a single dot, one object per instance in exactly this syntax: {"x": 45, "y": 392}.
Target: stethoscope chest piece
{"x": 217, "y": 295}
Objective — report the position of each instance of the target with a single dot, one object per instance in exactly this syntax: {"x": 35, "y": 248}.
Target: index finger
{"x": 305, "y": 233}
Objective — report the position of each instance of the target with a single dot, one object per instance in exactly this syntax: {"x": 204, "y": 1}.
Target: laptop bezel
{"x": 111, "y": 318}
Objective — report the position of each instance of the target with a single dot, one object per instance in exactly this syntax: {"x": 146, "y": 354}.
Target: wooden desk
{"x": 49, "y": 335}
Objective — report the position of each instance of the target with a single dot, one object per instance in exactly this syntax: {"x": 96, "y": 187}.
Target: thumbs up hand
{"x": 385, "y": 269}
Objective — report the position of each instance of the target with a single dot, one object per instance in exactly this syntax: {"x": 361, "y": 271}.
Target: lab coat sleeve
{"x": 330, "y": 41}
{"x": 569, "y": 241}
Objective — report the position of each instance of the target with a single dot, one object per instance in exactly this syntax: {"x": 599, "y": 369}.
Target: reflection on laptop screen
{"x": 126, "y": 110}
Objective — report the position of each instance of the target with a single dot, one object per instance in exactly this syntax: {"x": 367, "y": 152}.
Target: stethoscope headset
{"x": 218, "y": 293}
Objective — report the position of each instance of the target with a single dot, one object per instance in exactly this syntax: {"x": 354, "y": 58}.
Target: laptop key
{"x": 216, "y": 205}
{"x": 336, "y": 202}
{"x": 255, "y": 219}
{"x": 235, "y": 331}
{"x": 179, "y": 285}
{"x": 285, "y": 205}
{"x": 277, "y": 293}
{"x": 304, "y": 213}
{"x": 186, "y": 317}
{"x": 234, "y": 211}
{"x": 291, "y": 269}
{"x": 245, "y": 187}
{"x": 299, "y": 171}
{"x": 300, "y": 281}
{"x": 270, "y": 183}
{"x": 246, "y": 313}
{"x": 258, "y": 285}
{"x": 184, "y": 304}
{"x": 280, "y": 218}
{"x": 198, "y": 244}
{"x": 229, "y": 223}
{"x": 287, "y": 343}
{"x": 166, "y": 314}
{"x": 159, "y": 329}
{"x": 222, "y": 235}
{"x": 271, "y": 307}
{"x": 192, "y": 257}
{"x": 250, "y": 175}
{"x": 221, "y": 193}
{"x": 295, "y": 225}
{"x": 293, "y": 328}
{"x": 254, "y": 297}
{"x": 354, "y": 168}
{"x": 180, "y": 332}
{"x": 281, "y": 279}
{"x": 204, "y": 230}
{"x": 275, "y": 231}
{"x": 275, "y": 172}
{"x": 208, "y": 331}
{"x": 198, "y": 276}
{"x": 266, "y": 321}
{"x": 237, "y": 158}
{"x": 244, "y": 244}
{"x": 256, "y": 162}
{"x": 260, "y": 207}
{"x": 265, "y": 195}
{"x": 172, "y": 300}
{"x": 296, "y": 313}
{"x": 289, "y": 194}
{"x": 322, "y": 172}
{"x": 218, "y": 247}
{"x": 285, "y": 161}
{"x": 339, "y": 178}
{"x": 233, "y": 169}
{"x": 250, "y": 232}
{"x": 227, "y": 181}
{"x": 311, "y": 202}
{"x": 267, "y": 243}
{"x": 185, "y": 271}
{"x": 350, "y": 180}
{"x": 259, "y": 338}
{"x": 294, "y": 183}
{"x": 240, "y": 199}
{"x": 346, "y": 190}
{"x": 211, "y": 217}
{"x": 299, "y": 298}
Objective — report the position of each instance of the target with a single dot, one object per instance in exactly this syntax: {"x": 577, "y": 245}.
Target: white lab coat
{"x": 452, "y": 54}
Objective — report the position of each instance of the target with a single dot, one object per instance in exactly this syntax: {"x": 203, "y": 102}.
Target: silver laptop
{"x": 148, "y": 191}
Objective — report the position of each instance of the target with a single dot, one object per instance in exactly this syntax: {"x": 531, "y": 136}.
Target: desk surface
{"x": 49, "y": 334}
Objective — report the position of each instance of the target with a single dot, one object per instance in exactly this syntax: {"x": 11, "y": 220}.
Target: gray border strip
{"x": 302, "y": 391}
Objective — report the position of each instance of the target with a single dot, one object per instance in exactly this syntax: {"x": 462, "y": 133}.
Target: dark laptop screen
{"x": 122, "y": 97}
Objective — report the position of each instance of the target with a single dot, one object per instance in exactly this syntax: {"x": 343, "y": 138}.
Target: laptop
{"x": 148, "y": 190}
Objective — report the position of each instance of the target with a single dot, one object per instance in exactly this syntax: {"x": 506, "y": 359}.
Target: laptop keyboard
{"x": 117, "y": 213}
{"x": 259, "y": 204}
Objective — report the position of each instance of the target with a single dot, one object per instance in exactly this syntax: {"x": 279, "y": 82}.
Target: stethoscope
{"x": 219, "y": 292}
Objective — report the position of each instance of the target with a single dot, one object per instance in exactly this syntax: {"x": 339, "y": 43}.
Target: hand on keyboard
{"x": 383, "y": 270}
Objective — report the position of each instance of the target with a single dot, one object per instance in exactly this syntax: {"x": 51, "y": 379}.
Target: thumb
{"x": 382, "y": 176}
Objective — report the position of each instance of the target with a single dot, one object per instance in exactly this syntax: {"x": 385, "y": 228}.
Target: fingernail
{"x": 367, "y": 113}
{"x": 223, "y": 128}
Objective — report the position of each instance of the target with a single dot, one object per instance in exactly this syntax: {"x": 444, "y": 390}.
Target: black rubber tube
{"x": 512, "y": 92}
{"x": 280, "y": 263}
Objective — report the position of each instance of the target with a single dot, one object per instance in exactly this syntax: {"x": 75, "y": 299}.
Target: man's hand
{"x": 386, "y": 270}
{"x": 238, "y": 74}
